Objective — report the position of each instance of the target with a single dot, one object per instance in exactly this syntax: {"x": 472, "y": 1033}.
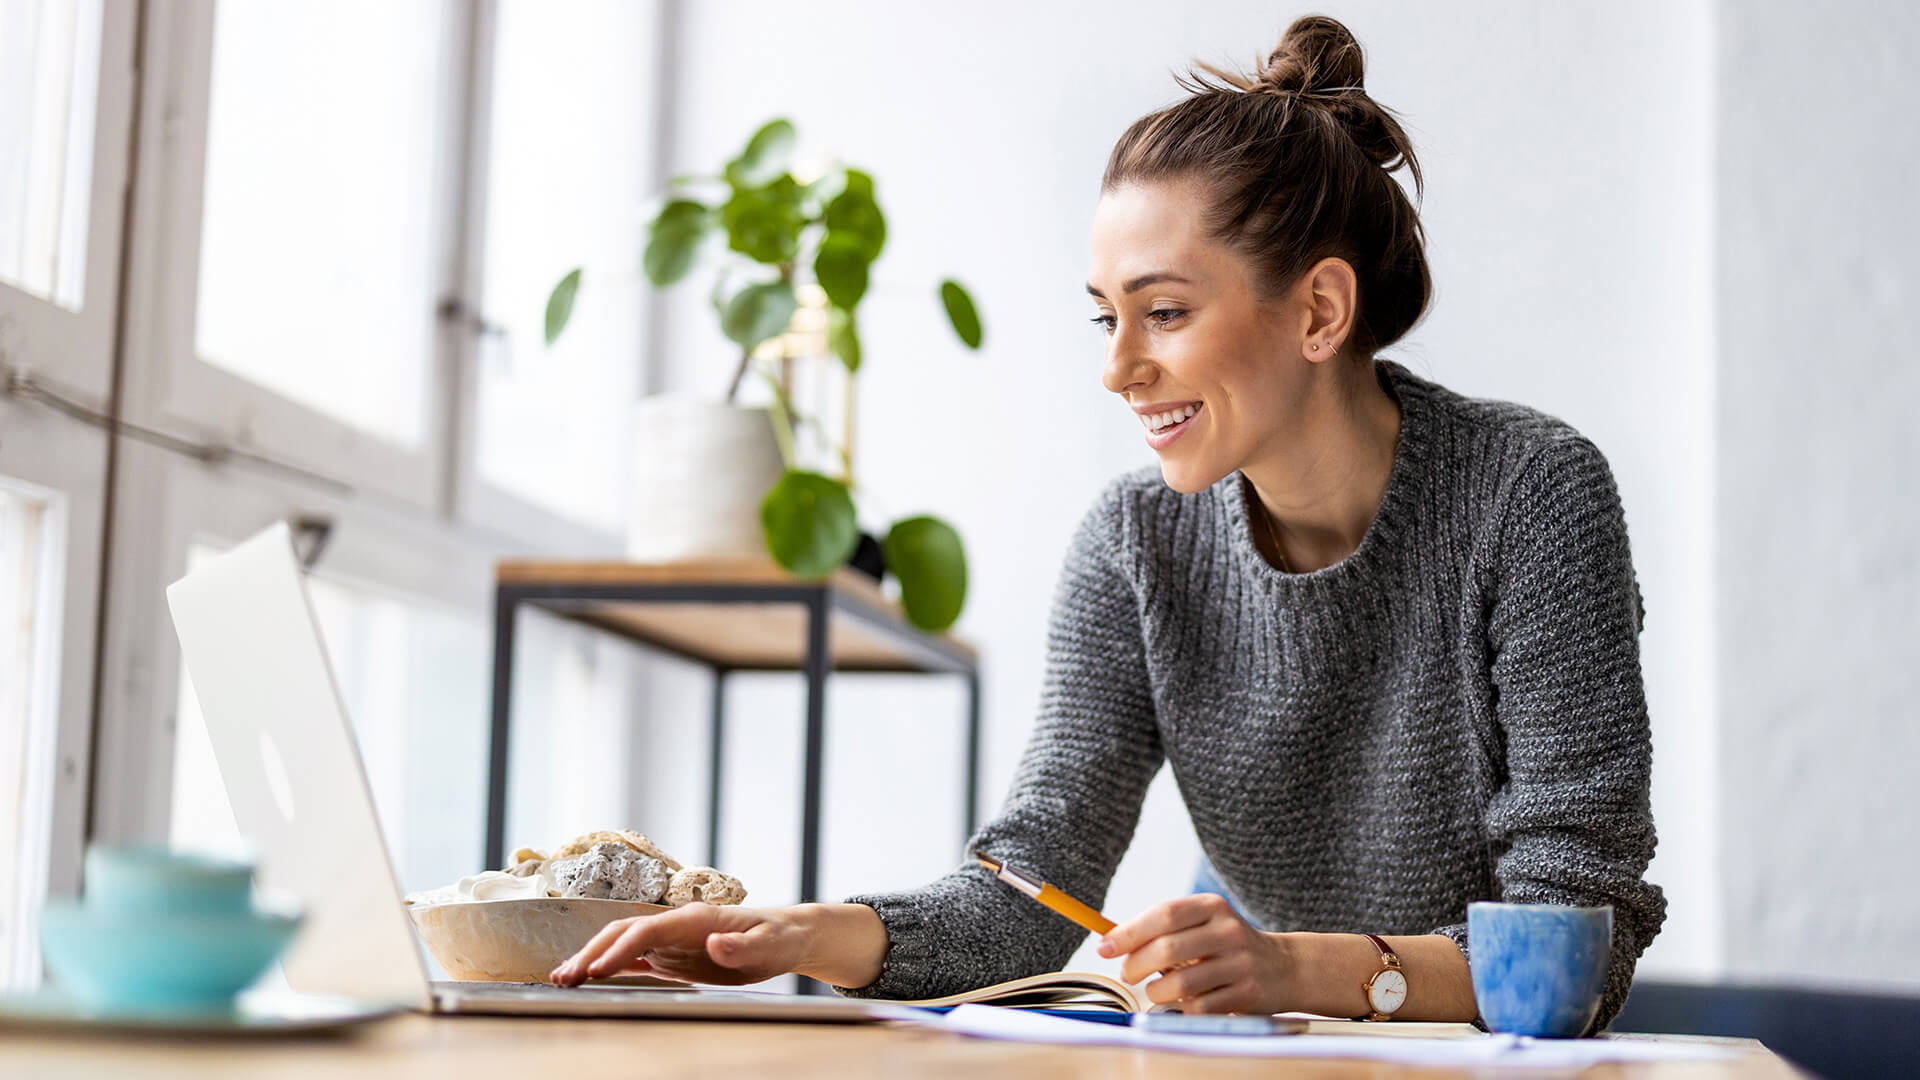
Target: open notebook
{"x": 1088, "y": 990}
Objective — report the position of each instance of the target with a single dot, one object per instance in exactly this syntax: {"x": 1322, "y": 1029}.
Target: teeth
{"x": 1157, "y": 421}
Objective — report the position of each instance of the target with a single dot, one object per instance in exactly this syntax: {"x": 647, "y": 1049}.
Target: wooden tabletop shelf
{"x": 867, "y": 630}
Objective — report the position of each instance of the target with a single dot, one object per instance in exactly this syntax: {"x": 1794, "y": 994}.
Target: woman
{"x": 1385, "y": 635}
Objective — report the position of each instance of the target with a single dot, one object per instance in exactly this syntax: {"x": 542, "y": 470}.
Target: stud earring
{"x": 1316, "y": 346}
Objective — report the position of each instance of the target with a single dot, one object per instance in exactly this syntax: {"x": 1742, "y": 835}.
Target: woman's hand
{"x": 1208, "y": 958}
{"x": 842, "y": 944}
{"x": 696, "y": 943}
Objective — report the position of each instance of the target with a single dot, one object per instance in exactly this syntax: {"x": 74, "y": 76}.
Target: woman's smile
{"x": 1166, "y": 421}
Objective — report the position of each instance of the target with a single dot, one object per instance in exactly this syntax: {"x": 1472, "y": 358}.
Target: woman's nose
{"x": 1125, "y": 366}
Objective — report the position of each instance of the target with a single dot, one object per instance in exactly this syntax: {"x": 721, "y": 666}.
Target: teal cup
{"x": 155, "y": 881}
{"x": 1539, "y": 969}
{"x": 161, "y": 931}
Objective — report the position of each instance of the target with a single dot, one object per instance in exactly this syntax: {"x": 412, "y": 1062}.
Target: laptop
{"x": 293, "y": 774}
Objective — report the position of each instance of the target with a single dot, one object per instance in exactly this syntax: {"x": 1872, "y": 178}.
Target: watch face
{"x": 1389, "y": 989}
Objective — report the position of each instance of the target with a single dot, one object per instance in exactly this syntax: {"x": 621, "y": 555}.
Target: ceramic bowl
{"x": 142, "y": 881}
{"x": 110, "y": 960}
{"x": 515, "y": 940}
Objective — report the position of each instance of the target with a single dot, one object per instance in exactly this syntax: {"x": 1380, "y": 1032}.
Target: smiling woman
{"x": 1386, "y": 635}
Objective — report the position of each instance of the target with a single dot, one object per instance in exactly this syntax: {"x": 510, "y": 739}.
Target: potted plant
{"x": 789, "y": 281}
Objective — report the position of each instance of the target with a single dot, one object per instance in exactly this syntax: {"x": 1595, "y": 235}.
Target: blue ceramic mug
{"x": 1539, "y": 969}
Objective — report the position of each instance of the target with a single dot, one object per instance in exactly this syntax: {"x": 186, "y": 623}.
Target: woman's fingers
{"x": 1240, "y": 996}
{"x": 1169, "y": 951}
{"x": 1192, "y": 982}
{"x": 631, "y": 945}
{"x": 622, "y": 942}
{"x": 1160, "y": 919}
{"x": 573, "y": 970}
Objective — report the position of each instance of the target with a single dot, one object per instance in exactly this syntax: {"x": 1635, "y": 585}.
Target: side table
{"x": 734, "y": 614}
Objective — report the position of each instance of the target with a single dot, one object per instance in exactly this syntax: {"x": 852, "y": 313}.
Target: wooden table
{"x": 735, "y": 614}
{"x": 492, "y": 1048}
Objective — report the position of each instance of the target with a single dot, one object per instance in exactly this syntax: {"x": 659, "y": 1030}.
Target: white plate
{"x": 260, "y": 1013}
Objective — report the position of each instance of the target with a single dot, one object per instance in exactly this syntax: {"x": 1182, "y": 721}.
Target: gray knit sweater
{"x": 1454, "y": 712}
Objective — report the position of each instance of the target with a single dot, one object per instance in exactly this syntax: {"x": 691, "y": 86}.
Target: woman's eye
{"x": 1163, "y": 316}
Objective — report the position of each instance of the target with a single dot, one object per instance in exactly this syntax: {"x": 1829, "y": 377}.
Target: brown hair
{"x": 1297, "y": 163}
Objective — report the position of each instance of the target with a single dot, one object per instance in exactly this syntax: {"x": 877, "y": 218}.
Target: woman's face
{"x": 1188, "y": 342}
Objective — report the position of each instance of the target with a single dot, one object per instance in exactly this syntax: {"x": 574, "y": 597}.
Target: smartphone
{"x": 1173, "y": 1023}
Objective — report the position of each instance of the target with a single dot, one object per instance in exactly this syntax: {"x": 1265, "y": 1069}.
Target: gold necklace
{"x": 1273, "y": 538}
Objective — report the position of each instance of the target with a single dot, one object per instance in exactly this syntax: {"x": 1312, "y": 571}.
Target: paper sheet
{"x": 987, "y": 1021}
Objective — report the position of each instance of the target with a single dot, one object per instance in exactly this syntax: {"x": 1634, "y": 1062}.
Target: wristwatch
{"x": 1387, "y": 988}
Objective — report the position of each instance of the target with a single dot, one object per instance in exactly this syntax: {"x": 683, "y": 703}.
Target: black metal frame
{"x": 573, "y": 600}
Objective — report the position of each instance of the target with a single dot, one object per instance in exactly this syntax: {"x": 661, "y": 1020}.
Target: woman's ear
{"x": 1331, "y": 296}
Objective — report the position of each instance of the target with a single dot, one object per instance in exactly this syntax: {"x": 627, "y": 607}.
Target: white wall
{"x": 1818, "y": 591}
{"x": 1569, "y": 152}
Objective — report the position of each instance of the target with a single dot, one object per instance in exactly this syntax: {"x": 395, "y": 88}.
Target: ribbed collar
{"x": 1392, "y": 523}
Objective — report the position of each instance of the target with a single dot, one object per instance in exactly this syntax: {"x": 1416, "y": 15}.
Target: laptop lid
{"x": 292, "y": 769}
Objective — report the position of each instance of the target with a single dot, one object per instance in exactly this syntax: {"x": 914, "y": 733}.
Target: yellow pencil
{"x": 1047, "y": 894}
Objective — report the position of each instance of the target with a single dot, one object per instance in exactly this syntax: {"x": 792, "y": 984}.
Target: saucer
{"x": 257, "y": 1013}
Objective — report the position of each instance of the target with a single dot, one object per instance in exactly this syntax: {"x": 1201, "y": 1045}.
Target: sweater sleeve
{"x": 1572, "y": 823}
{"x": 1075, "y": 799}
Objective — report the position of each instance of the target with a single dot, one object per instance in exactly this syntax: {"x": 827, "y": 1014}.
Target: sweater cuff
{"x": 909, "y": 953}
{"x": 1458, "y": 933}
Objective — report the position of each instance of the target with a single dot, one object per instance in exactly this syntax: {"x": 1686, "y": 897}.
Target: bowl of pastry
{"x": 518, "y": 923}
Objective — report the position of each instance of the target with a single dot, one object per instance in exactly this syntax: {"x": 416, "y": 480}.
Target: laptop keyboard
{"x": 498, "y": 991}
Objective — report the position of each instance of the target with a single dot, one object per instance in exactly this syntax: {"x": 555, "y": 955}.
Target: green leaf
{"x": 824, "y": 189}
{"x": 854, "y": 213}
{"x": 674, "y": 240}
{"x": 840, "y": 267}
{"x": 765, "y": 156}
{"x": 809, "y": 523}
{"x": 560, "y": 304}
{"x": 961, "y": 312}
{"x": 843, "y": 337}
{"x": 926, "y": 555}
{"x": 764, "y": 223}
{"x": 758, "y": 312}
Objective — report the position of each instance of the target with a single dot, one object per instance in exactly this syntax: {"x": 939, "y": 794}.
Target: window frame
{"x": 178, "y": 389}
{"x": 75, "y": 348}
{"x": 56, "y": 456}
{"x": 50, "y": 456}
{"x": 414, "y": 524}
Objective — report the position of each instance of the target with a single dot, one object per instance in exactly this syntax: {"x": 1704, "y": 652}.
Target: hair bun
{"x": 1315, "y": 53}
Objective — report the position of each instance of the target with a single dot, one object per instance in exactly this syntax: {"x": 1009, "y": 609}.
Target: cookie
{"x": 580, "y": 845}
{"x": 704, "y": 883}
{"x": 610, "y": 870}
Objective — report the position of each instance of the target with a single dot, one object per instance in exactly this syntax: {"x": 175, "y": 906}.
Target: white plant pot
{"x": 701, "y": 470}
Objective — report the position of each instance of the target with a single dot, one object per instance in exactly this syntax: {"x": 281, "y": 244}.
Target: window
{"x": 49, "y": 69}
{"x": 568, "y": 157}
{"x": 344, "y": 167}
{"x": 320, "y": 236}
{"x": 30, "y": 605}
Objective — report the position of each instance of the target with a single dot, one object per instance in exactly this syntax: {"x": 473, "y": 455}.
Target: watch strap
{"x": 1387, "y": 955}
